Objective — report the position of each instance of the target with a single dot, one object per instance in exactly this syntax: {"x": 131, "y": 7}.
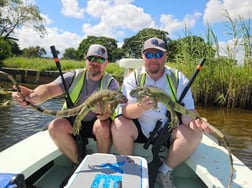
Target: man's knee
{"x": 102, "y": 128}
{"x": 194, "y": 138}
{"x": 117, "y": 124}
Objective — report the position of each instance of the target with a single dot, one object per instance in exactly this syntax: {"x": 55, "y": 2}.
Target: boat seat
{"x": 28, "y": 155}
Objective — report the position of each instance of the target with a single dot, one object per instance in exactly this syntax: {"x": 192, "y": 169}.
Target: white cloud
{"x": 60, "y": 39}
{"x": 215, "y": 10}
{"x": 127, "y": 16}
{"x": 114, "y": 15}
{"x": 96, "y": 8}
{"x": 71, "y": 8}
{"x": 232, "y": 50}
{"x": 171, "y": 24}
{"x": 48, "y": 21}
{"x": 100, "y": 29}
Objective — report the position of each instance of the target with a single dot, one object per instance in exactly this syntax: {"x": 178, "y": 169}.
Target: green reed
{"x": 222, "y": 81}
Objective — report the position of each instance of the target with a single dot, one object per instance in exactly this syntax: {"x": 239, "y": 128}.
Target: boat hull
{"x": 43, "y": 165}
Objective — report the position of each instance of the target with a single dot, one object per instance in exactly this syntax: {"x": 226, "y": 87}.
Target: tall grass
{"x": 41, "y": 64}
{"x": 221, "y": 81}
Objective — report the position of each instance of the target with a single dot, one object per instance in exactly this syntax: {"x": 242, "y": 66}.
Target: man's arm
{"x": 39, "y": 95}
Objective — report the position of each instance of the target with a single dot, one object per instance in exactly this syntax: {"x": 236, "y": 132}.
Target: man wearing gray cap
{"x": 81, "y": 83}
{"x": 140, "y": 117}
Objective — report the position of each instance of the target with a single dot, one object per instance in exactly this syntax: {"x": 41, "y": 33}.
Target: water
{"x": 236, "y": 126}
{"x": 17, "y": 123}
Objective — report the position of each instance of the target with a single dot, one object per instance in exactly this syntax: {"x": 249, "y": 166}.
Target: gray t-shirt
{"x": 90, "y": 86}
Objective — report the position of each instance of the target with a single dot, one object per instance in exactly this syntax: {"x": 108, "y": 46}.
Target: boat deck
{"x": 184, "y": 176}
{"x": 210, "y": 162}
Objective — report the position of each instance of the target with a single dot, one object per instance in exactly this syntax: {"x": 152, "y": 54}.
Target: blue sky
{"x": 68, "y": 22}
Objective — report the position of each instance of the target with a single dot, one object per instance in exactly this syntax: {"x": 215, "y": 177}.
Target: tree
{"x": 109, "y": 43}
{"x": 34, "y": 52}
{"x": 70, "y": 53}
{"x": 132, "y": 46}
{"x": 15, "y": 14}
{"x": 117, "y": 54}
{"x": 14, "y": 48}
{"x": 5, "y": 49}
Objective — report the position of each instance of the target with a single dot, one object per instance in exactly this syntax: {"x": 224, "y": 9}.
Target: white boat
{"x": 44, "y": 166}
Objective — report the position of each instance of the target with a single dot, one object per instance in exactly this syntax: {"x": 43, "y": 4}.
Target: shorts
{"x": 141, "y": 138}
{"x": 86, "y": 128}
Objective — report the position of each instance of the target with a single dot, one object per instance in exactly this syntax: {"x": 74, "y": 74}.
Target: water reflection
{"x": 237, "y": 127}
{"x": 17, "y": 123}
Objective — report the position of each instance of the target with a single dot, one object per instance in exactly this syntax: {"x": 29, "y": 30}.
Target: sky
{"x": 68, "y": 22}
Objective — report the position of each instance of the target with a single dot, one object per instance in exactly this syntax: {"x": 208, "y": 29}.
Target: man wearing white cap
{"x": 139, "y": 118}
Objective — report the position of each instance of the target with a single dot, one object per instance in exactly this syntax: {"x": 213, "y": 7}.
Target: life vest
{"x": 172, "y": 80}
{"x": 78, "y": 83}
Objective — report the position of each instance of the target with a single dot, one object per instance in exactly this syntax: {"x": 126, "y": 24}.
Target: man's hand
{"x": 22, "y": 99}
{"x": 146, "y": 103}
{"x": 200, "y": 125}
{"x": 101, "y": 113}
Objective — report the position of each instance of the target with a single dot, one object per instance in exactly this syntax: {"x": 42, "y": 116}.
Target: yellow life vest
{"x": 78, "y": 84}
{"x": 172, "y": 80}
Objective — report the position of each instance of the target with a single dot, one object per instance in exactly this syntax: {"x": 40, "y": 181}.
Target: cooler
{"x": 110, "y": 171}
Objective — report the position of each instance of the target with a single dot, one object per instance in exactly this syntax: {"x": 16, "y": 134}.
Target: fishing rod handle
{"x": 199, "y": 66}
{"x": 54, "y": 53}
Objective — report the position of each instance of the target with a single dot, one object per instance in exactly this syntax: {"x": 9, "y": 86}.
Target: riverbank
{"x": 30, "y": 76}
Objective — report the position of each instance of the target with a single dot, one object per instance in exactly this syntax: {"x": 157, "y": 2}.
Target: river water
{"x": 17, "y": 123}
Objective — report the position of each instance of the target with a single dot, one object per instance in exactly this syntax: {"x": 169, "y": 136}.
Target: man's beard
{"x": 94, "y": 70}
{"x": 154, "y": 70}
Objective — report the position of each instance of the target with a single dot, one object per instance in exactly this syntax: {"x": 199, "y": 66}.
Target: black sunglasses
{"x": 93, "y": 59}
{"x": 157, "y": 55}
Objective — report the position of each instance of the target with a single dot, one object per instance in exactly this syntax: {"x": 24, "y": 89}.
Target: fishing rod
{"x": 56, "y": 60}
{"x": 164, "y": 134}
{"x": 198, "y": 68}
{"x": 80, "y": 142}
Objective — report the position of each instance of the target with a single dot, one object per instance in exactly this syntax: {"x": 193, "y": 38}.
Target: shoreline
{"x": 29, "y": 76}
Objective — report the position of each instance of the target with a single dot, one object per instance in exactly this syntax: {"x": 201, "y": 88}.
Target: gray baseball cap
{"x": 155, "y": 43}
{"x": 97, "y": 50}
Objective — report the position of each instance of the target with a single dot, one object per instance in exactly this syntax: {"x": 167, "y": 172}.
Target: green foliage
{"x": 115, "y": 70}
{"x": 5, "y": 49}
{"x": 189, "y": 48}
{"x": 33, "y": 52}
{"x": 70, "y": 53}
{"x": 14, "y": 48}
{"x": 41, "y": 64}
{"x": 220, "y": 83}
{"x": 109, "y": 43}
{"x": 133, "y": 46}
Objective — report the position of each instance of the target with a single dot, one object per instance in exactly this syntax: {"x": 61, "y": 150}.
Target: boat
{"x": 44, "y": 166}
{"x": 36, "y": 162}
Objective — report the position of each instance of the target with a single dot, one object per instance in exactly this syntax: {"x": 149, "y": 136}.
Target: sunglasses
{"x": 157, "y": 55}
{"x": 93, "y": 59}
